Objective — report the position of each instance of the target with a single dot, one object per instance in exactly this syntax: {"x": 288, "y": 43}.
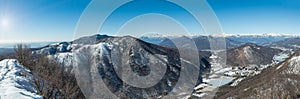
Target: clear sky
{"x": 39, "y": 20}
{"x": 55, "y": 20}
{"x": 258, "y": 16}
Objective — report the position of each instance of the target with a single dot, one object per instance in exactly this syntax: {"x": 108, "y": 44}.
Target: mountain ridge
{"x": 251, "y": 53}
{"x": 280, "y": 80}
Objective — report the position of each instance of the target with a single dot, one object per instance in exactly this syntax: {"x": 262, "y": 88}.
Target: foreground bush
{"x": 51, "y": 79}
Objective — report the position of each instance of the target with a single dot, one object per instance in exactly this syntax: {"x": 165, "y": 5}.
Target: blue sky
{"x": 55, "y": 20}
{"x": 258, "y": 16}
{"x": 160, "y": 8}
{"x": 39, "y": 20}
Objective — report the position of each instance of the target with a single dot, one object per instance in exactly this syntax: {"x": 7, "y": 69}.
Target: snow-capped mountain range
{"x": 247, "y": 56}
{"x": 111, "y": 53}
{"x": 231, "y": 41}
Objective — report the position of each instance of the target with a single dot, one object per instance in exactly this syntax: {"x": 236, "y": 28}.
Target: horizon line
{"x": 162, "y": 35}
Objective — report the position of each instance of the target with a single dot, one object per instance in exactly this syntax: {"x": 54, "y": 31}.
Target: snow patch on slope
{"x": 294, "y": 66}
{"x": 248, "y": 52}
{"x": 66, "y": 59}
{"x": 15, "y": 81}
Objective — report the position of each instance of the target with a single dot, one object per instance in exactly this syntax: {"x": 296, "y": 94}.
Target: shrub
{"x": 50, "y": 78}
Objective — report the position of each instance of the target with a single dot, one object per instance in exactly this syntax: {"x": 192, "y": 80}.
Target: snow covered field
{"x": 15, "y": 81}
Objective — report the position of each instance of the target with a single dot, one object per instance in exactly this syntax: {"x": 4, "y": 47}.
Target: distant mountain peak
{"x": 89, "y": 39}
{"x": 250, "y": 45}
{"x": 251, "y": 54}
{"x": 264, "y": 35}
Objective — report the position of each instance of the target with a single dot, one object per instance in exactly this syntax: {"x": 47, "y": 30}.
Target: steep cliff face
{"x": 279, "y": 81}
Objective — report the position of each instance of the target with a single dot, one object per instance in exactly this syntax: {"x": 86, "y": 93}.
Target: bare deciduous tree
{"x": 50, "y": 78}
